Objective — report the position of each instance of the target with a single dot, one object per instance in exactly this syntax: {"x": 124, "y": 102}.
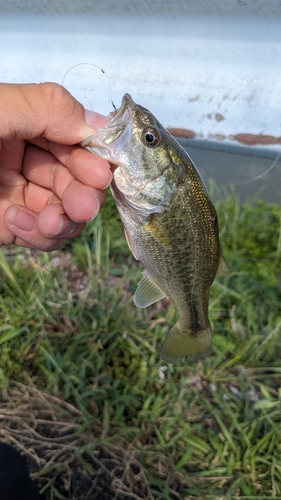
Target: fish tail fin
{"x": 182, "y": 343}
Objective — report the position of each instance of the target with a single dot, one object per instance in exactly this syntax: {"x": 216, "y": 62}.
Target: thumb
{"x": 43, "y": 110}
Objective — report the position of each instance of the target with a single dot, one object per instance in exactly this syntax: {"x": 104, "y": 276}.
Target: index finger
{"x": 42, "y": 110}
{"x": 83, "y": 165}
{"x": 87, "y": 168}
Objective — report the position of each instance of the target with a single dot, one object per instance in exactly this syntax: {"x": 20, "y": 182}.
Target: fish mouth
{"x": 121, "y": 115}
{"x": 106, "y": 141}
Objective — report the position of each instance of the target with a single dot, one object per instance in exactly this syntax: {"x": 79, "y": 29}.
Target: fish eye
{"x": 150, "y": 136}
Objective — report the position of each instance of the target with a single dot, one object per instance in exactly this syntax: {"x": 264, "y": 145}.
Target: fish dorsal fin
{"x": 147, "y": 292}
{"x": 223, "y": 268}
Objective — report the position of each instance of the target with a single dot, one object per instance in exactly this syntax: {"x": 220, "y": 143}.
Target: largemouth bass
{"x": 170, "y": 223}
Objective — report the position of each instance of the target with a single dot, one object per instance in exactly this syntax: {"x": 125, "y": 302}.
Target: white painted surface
{"x": 186, "y": 60}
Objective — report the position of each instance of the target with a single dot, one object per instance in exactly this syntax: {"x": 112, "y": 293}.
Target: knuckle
{"x": 53, "y": 91}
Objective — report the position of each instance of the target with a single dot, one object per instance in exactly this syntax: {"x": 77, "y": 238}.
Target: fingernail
{"x": 64, "y": 229}
{"x": 96, "y": 211}
{"x": 95, "y": 120}
{"x": 22, "y": 220}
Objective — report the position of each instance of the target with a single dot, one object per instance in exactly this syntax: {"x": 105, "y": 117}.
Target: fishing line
{"x": 103, "y": 72}
{"x": 260, "y": 176}
{"x": 271, "y": 167}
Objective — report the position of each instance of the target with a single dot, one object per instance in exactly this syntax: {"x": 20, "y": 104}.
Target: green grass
{"x": 86, "y": 397}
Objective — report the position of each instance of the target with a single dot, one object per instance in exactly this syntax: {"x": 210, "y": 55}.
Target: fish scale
{"x": 169, "y": 220}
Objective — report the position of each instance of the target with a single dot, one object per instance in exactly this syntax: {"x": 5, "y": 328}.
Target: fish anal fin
{"x": 223, "y": 268}
{"x": 147, "y": 292}
{"x": 182, "y": 344}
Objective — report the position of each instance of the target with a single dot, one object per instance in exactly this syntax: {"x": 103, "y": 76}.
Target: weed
{"x": 98, "y": 414}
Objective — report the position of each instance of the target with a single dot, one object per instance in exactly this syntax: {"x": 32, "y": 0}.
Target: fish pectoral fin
{"x": 182, "y": 343}
{"x": 159, "y": 232}
{"x": 147, "y": 292}
{"x": 223, "y": 268}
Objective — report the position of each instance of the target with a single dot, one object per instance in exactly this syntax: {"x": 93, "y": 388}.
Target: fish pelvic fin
{"x": 182, "y": 343}
{"x": 147, "y": 292}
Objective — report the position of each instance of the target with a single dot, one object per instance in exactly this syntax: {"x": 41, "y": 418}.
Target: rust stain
{"x": 254, "y": 139}
{"x": 193, "y": 99}
{"x": 219, "y": 117}
{"x": 243, "y": 138}
{"x": 182, "y": 132}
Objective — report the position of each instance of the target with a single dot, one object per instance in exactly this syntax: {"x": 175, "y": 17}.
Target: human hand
{"x": 49, "y": 186}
